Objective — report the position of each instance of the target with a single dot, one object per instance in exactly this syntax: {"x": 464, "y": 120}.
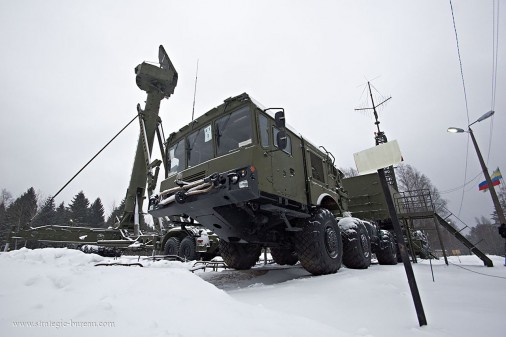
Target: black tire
{"x": 187, "y": 249}
{"x": 241, "y": 256}
{"x": 387, "y": 252}
{"x": 284, "y": 256}
{"x": 356, "y": 248}
{"x": 319, "y": 244}
{"x": 171, "y": 246}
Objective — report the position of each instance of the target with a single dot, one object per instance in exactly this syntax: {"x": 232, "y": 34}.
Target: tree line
{"x": 25, "y": 212}
{"x": 28, "y": 211}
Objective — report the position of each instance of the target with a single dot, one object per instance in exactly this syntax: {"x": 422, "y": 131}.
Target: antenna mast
{"x": 195, "y": 89}
{"x": 380, "y": 137}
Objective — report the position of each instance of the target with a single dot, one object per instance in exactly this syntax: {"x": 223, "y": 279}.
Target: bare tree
{"x": 349, "y": 172}
{"x": 5, "y": 197}
{"x": 410, "y": 179}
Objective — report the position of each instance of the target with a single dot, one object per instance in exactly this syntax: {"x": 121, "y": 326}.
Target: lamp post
{"x": 491, "y": 188}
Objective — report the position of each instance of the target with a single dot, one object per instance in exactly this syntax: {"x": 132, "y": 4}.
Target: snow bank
{"x": 59, "y": 292}
{"x": 466, "y": 299}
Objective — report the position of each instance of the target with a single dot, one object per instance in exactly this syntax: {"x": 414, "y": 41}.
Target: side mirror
{"x": 281, "y": 139}
{"x": 280, "y": 119}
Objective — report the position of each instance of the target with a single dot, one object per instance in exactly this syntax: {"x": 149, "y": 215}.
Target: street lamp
{"x": 491, "y": 188}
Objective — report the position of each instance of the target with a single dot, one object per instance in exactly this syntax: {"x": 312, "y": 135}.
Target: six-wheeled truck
{"x": 240, "y": 172}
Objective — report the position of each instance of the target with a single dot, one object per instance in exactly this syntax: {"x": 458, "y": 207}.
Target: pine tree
{"x": 62, "y": 217}
{"x": 3, "y": 226}
{"x": 79, "y": 210}
{"x": 46, "y": 214}
{"x": 486, "y": 238}
{"x": 22, "y": 210}
{"x": 501, "y": 195}
{"x": 97, "y": 214}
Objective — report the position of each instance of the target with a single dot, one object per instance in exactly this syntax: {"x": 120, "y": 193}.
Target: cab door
{"x": 283, "y": 167}
{"x": 316, "y": 169}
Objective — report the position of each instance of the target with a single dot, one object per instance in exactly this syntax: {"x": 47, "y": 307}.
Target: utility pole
{"x": 493, "y": 194}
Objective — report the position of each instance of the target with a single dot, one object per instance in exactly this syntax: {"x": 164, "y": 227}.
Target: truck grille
{"x": 195, "y": 176}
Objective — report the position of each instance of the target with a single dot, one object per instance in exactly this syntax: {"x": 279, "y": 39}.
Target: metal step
{"x": 464, "y": 240}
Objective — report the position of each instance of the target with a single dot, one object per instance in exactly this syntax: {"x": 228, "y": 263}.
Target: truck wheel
{"x": 284, "y": 256}
{"x": 171, "y": 246}
{"x": 319, "y": 245}
{"x": 240, "y": 256}
{"x": 187, "y": 249}
{"x": 356, "y": 247}
{"x": 387, "y": 252}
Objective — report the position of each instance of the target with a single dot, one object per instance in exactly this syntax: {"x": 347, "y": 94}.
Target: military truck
{"x": 239, "y": 171}
{"x": 363, "y": 238}
{"x": 190, "y": 242}
{"x": 366, "y": 200}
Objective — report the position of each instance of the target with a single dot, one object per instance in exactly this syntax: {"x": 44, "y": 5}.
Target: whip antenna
{"x": 195, "y": 89}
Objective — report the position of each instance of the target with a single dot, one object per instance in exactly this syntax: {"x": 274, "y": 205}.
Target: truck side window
{"x": 175, "y": 158}
{"x": 288, "y": 148}
{"x": 316, "y": 167}
{"x": 263, "y": 123}
{"x": 233, "y": 131}
{"x": 199, "y": 146}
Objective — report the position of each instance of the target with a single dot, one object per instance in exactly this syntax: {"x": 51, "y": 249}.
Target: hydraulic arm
{"x": 158, "y": 83}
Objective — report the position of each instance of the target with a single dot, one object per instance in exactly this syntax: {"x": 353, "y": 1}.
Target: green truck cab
{"x": 238, "y": 171}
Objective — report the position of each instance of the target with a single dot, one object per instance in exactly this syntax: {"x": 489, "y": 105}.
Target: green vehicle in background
{"x": 190, "y": 243}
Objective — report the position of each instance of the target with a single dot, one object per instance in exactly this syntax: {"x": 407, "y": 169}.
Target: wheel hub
{"x": 365, "y": 248}
{"x": 331, "y": 242}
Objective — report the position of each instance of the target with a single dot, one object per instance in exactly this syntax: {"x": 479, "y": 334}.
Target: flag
{"x": 484, "y": 186}
{"x": 495, "y": 177}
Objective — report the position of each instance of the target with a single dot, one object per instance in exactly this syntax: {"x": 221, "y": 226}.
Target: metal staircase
{"x": 418, "y": 204}
{"x": 464, "y": 240}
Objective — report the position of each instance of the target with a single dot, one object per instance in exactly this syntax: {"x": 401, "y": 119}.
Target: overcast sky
{"x": 67, "y": 82}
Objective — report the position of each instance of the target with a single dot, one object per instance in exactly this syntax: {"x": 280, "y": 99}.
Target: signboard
{"x": 378, "y": 157}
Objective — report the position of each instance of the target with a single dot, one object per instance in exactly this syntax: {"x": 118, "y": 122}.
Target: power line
{"x": 476, "y": 272}
{"x": 465, "y": 177}
{"x": 460, "y": 63}
{"x": 495, "y": 49}
{"x": 495, "y": 52}
{"x": 450, "y": 190}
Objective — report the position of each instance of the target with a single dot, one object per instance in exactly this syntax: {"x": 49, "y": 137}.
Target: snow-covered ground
{"x": 59, "y": 292}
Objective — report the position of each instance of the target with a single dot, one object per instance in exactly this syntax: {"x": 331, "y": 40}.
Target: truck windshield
{"x": 233, "y": 131}
{"x": 176, "y": 160}
{"x": 200, "y": 146}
